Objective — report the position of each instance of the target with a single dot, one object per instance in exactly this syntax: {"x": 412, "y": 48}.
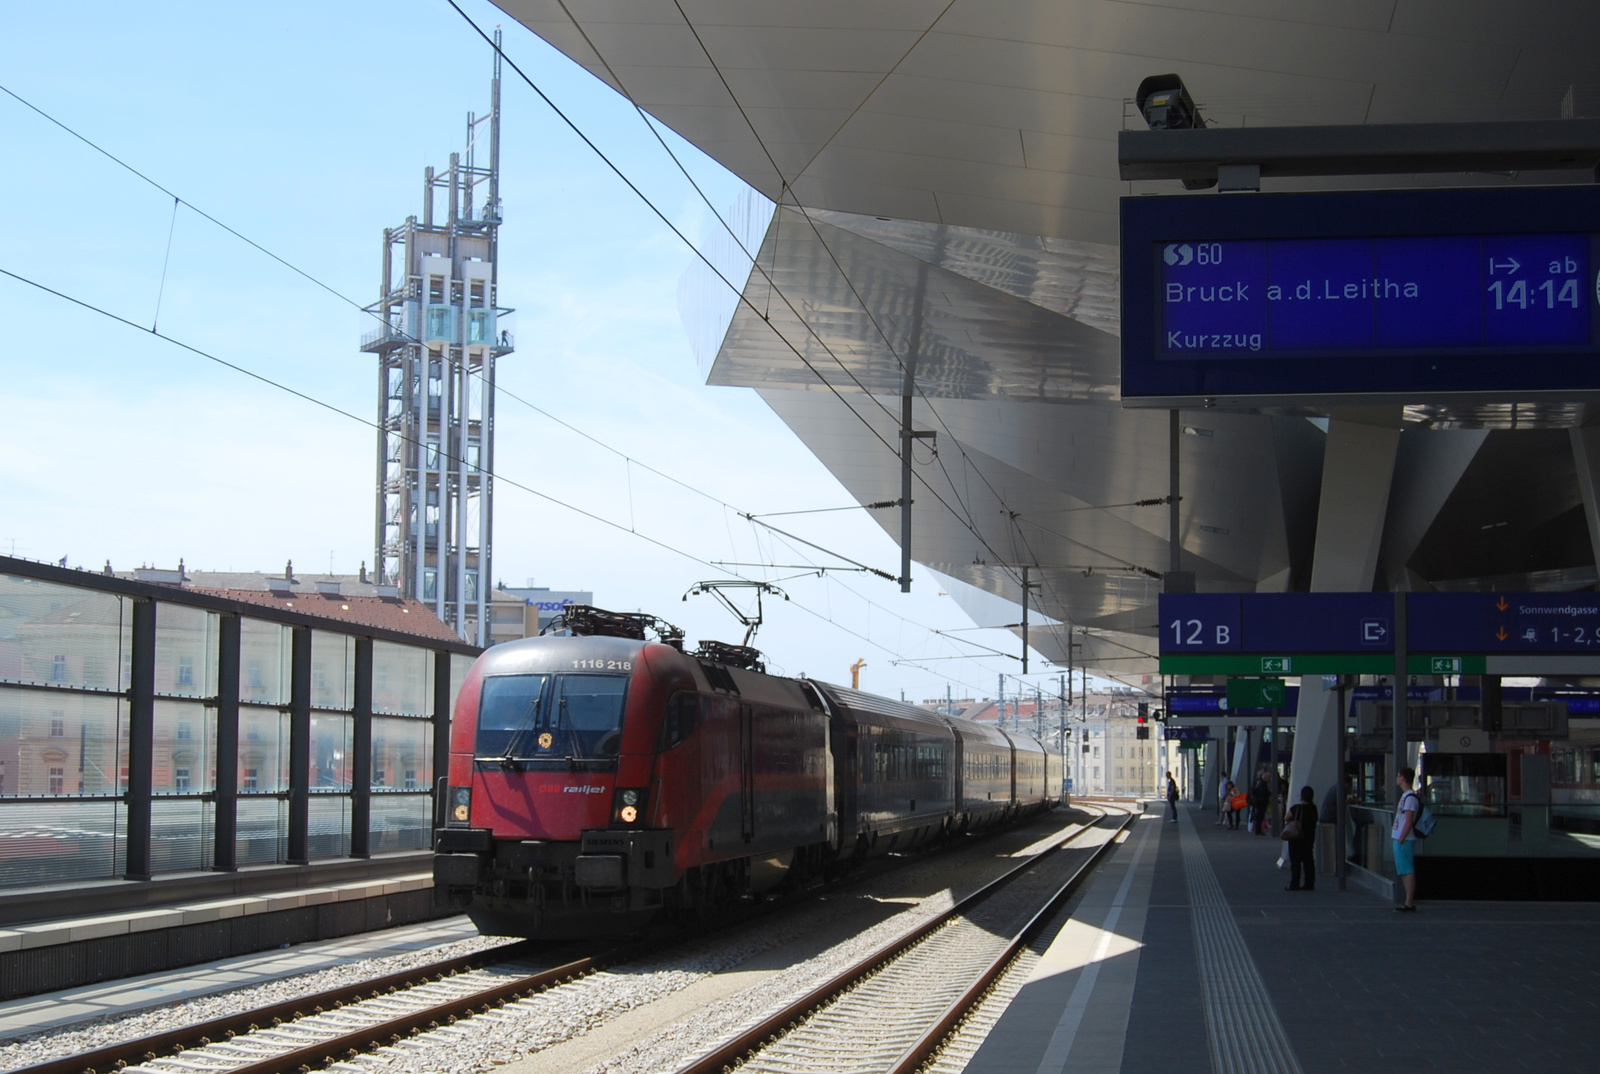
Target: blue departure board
{"x": 1310, "y": 296}
{"x": 1413, "y": 295}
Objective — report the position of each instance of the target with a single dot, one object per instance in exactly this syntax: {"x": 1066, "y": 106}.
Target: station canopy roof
{"x": 945, "y": 173}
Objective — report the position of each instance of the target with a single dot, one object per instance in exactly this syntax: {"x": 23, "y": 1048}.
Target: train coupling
{"x": 611, "y": 860}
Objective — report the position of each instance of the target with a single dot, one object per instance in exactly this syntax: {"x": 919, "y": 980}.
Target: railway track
{"x": 330, "y": 1023}
{"x": 890, "y": 1012}
{"x": 335, "y": 1026}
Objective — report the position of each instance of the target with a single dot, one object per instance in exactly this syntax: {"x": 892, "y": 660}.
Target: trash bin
{"x": 1327, "y": 851}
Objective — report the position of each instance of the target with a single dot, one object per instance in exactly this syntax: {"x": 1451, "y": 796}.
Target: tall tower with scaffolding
{"x": 439, "y": 335}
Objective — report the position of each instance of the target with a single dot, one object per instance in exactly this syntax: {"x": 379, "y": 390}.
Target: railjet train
{"x": 598, "y": 779}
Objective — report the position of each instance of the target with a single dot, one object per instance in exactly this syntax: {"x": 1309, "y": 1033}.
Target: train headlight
{"x": 460, "y": 805}
{"x": 628, "y": 806}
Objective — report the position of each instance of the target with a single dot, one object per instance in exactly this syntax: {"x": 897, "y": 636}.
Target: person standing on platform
{"x": 1237, "y": 800}
{"x": 1260, "y": 800}
{"x": 1406, "y": 812}
{"x": 1172, "y": 798}
{"x": 1300, "y": 836}
{"x": 1224, "y": 790}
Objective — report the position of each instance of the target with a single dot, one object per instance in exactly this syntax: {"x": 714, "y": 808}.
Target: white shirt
{"x": 1409, "y": 803}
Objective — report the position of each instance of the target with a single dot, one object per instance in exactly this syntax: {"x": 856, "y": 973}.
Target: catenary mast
{"x": 438, "y": 338}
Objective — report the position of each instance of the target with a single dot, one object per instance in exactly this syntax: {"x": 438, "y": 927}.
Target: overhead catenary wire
{"x": 341, "y": 412}
{"x": 967, "y": 521}
{"x": 499, "y": 389}
{"x": 906, "y": 373}
{"x": 969, "y": 466}
{"x": 178, "y": 199}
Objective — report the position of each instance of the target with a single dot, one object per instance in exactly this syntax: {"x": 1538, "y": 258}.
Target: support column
{"x": 1213, "y": 766}
{"x": 1428, "y": 466}
{"x": 1402, "y": 715}
{"x": 1357, "y": 473}
{"x": 141, "y": 739}
{"x": 300, "y": 746}
{"x": 441, "y": 735}
{"x": 361, "y": 755}
{"x": 1025, "y": 588}
{"x": 1177, "y": 580}
{"x": 1586, "y": 455}
{"x": 225, "y": 826}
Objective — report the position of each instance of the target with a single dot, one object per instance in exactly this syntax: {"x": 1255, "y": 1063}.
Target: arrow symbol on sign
{"x": 1501, "y": 604}
{"x": 1510, "y": 264}
{"x": 1501, "y": 634}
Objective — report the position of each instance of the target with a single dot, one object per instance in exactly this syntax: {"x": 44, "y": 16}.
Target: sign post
{"x": 1402, "y": 712}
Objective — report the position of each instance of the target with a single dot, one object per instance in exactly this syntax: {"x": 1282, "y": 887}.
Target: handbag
{"x": 1291, "y": 831}
{"x": 1239, "y": 801}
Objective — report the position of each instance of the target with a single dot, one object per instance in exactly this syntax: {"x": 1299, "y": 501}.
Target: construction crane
{"x": 855, "y": 674}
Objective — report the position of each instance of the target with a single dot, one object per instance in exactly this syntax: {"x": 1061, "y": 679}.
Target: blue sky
{"x": 307, "y": 127}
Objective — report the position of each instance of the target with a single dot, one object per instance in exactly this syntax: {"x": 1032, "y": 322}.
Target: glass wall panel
{"x": 459, "y": 666}
{"x": 60, "y": 742}
{"x": 263, "y": 750}
{"x": 59, "y": 842}
{"x": 263, "y": 830}
{"x": 402, "y": 679}
{"x": 186, "y": 651}
{"x": 180, "y": 835}
{"x": 401, "y": 822}
{"x": 330, "y": 826}
{"x": 330, "y": 752}
{"x": 62, "y": 635}
{"x": 401, "y": 754}
{"x": 185, "y": 748}
{"x": 333, "y": 671}
{"x": 263, "y": 662}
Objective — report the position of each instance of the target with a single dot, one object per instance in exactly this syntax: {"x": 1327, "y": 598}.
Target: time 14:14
{"x": 1519, "y": 294}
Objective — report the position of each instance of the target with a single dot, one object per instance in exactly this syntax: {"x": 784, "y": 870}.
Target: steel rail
{"x": 142, "y": 1049}
{"x": 348, "y": 1045}
{"x": 930, "y": 1042}
{"x": 733, "y": 1052}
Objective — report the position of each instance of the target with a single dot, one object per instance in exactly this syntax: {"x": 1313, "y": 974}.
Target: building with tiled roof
{"x": 349, "y": 598}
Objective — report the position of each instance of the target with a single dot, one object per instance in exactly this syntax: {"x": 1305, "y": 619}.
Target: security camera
{"x": 1166, "y": 105}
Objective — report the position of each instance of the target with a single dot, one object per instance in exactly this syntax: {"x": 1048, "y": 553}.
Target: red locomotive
{"x": 595, "y": 780}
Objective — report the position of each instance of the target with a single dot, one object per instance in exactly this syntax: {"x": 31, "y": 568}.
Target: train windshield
{"x": 550, "y": 717}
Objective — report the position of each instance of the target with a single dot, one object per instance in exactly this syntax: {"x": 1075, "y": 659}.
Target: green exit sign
{"x": 1256, "y": 694}
{"x": 1444, "y": 665}
{"x": 1276, "y": 665}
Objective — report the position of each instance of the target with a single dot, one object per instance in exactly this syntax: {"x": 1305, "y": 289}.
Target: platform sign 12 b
{"x": 1200, "y": 623}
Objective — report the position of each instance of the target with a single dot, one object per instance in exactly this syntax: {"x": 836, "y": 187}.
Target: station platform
{"x": 1185, "y": 953}
{"x": 58, "y": 939}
